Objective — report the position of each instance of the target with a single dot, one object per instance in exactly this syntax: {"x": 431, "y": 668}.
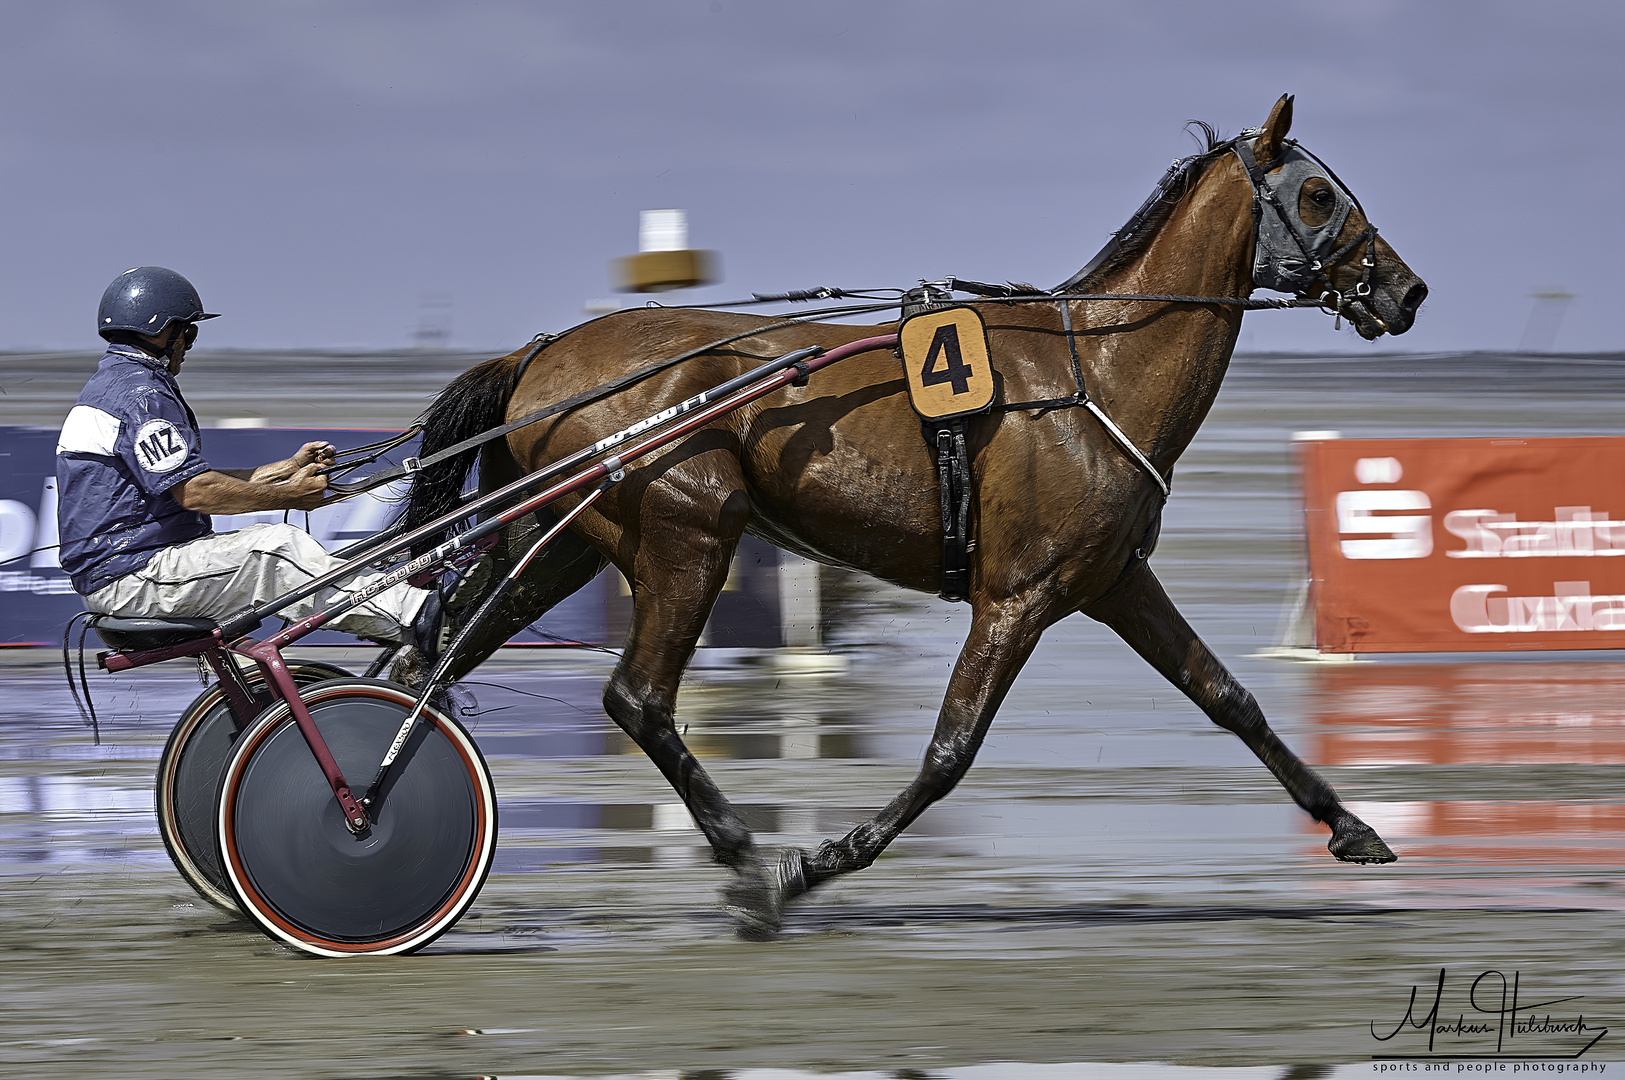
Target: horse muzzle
{"x": 1390, "y": 308}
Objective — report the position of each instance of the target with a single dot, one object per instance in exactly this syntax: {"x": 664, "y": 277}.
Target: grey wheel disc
{"x": 306, "y": 875}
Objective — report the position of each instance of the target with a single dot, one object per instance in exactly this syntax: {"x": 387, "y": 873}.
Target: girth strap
{"x": 954, "y": 485}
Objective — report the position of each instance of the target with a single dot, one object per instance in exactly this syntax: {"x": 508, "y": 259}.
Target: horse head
{"x": 1313, "y": 238}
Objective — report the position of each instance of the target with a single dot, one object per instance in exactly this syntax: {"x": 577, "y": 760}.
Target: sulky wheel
{"x": 296, "y": 868}
{"x": 188, "y": 786}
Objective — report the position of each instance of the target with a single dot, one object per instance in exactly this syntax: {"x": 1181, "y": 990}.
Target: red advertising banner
{"x": 1466, "y": 545}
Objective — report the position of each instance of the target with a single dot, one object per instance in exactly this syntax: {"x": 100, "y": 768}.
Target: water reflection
{"x": 533, "y": 726}
{"x": 541, "y": 834}
{"x": 730, "y": 721}
{"x": 1472, "y": 714}
{"x": 1519, "y": 726}
{"x": 1480, "y": 766}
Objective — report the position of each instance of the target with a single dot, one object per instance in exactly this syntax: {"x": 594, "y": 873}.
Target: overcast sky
{"x": 334, "y": 174}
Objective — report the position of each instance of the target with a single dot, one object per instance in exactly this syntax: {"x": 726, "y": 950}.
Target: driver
{"x": 135, "y": 493}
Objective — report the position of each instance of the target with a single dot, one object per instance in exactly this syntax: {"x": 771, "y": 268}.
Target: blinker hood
{"x": 1289, "y": 256}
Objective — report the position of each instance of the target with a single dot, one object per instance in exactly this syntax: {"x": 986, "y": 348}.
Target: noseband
{"x": 1288, "y": 255}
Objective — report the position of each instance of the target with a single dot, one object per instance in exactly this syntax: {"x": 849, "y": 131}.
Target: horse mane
{"x": 1129, "y": 242}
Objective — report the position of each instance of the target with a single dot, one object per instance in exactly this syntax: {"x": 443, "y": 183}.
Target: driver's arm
{"x": 317, "y": 453}
{"x": 216, "y": 492}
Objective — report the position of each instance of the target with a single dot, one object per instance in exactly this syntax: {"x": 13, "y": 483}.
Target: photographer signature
{"x": 1497, "y": 1012}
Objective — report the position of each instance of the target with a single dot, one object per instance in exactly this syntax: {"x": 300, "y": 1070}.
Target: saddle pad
{"x": 945, "y": 357}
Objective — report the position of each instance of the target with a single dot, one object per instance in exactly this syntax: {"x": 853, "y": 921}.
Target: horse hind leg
{"x": 1141, "y": 613}
{"x": 563, "y": 568}
{"x": 676, "y": 576}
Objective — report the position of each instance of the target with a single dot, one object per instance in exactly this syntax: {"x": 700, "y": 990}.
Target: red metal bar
{"x": 270, "y": 661}
{"x": 243, "y": 706}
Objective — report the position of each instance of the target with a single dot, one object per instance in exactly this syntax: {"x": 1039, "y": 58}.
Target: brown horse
{"x": 837, "y": 471}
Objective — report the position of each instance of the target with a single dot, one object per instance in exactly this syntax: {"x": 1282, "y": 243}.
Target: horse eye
{"x": 1322, "y": 197}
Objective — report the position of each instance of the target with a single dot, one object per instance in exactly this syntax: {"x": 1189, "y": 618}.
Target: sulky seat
{"x": 135, "y": 635}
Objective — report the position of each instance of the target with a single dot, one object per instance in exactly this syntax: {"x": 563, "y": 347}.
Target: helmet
{"x": 146, "y": 300}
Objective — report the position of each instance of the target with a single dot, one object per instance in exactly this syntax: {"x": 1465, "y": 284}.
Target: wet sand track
{"x": 1116, "y": 881}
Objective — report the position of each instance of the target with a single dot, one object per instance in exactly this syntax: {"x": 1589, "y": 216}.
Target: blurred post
{"x": 664, "y": 260}
{"x": 799, "y": 610}
{"x": 1540, "y": 332}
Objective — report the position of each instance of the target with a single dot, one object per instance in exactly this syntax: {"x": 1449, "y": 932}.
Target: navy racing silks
{"x": 129, "y": 439}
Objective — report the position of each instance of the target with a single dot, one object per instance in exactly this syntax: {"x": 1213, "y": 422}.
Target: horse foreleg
{"x": 1001, "y": 638}
{"x": 1141, "y": 613}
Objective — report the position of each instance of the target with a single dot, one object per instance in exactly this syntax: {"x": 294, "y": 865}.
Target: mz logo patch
{"x": 159, "y": 446}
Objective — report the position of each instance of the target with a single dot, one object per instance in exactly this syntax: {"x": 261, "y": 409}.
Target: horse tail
{"x": 475, "y": 401}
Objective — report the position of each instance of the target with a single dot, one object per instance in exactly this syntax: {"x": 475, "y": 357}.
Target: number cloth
{"x": 946, "y": 359}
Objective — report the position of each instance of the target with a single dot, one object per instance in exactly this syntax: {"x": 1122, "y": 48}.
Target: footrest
{"x": 135, "y": 635}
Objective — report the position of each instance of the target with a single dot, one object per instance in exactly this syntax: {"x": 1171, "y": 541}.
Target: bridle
{"x": 1305, "y": 265}
{"x": 1288, "y": 255}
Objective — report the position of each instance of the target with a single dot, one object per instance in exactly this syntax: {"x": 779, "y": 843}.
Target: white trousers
{"x": 216, "y": 575}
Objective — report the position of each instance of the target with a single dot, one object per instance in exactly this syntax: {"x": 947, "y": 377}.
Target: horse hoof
{"x": 755, "y": 899}
{"x": 754, "y": 907}
{"x": 1357, "y": 842}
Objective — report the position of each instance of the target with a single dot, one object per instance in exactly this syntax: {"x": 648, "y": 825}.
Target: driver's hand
{"x": 305, "y": 488}
{"x": 315, "y": 453}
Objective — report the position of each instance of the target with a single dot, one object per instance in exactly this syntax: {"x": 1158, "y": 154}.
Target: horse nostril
{"x": 1413, "y": 298}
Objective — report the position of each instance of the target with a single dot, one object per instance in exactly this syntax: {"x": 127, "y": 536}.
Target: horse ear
{"x": 1268, "y": 146}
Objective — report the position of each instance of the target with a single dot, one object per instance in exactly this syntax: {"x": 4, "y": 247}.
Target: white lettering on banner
{"x": 1477, "y": 610}
{"x": 46, "y": 540}
{"x": 16, "y": 530}
{"x": 1378, "y": 470}
{"x": 1577, "y": 531}
{"x": 23, "y": 581}
{"x": 1402, "y": 536}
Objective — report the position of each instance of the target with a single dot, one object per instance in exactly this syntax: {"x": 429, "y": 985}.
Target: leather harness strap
{"x": 954, "y": 488}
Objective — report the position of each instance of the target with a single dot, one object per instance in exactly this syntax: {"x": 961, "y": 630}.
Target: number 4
{"x": 945, "y": 344}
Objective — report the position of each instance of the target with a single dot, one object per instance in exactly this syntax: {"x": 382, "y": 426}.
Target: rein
{"x": 1315, "y": 271}
{"x": 413, "y": 465}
